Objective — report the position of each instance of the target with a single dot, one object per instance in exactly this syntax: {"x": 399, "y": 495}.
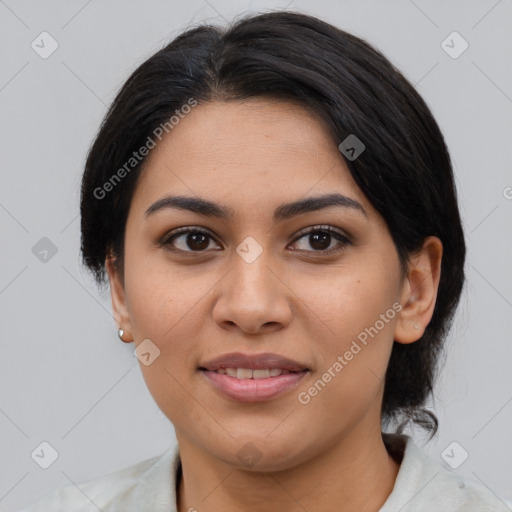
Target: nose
{"x": 253, "y": 297}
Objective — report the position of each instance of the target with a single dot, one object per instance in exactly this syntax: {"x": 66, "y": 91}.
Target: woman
{"x": 275, "y": 211}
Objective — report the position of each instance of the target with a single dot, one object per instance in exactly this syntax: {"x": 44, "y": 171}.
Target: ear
{"x": 118, "y": 298}
{"x": 419, "y": 291}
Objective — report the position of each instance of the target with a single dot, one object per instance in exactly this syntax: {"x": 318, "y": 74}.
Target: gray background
{"x": 66, "y": 379}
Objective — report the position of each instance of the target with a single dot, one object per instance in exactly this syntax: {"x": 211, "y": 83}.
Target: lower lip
{"x": 253, "y": 390}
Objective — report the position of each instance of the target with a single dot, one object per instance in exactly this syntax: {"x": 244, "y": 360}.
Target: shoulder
{"x": 423, "y": 484}
{"x": 126, "y": 489}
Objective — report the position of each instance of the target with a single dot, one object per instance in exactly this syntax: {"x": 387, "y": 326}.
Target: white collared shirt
{"x": 422, "y": 485}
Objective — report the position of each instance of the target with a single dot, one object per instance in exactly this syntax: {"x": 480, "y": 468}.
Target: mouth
{"x": 248, "y": 373}
{"x": 253, "y": 378}
{"x": 244, "y": 362}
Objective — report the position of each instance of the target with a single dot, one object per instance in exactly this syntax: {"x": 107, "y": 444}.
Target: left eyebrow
{"x": 311, "y": 204}
{"x": 285, "y": 211}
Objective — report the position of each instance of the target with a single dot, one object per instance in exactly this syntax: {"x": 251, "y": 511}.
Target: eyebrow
{"x": 210, "y": 209}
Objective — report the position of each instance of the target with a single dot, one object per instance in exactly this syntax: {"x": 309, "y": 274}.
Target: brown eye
{"x": 188, "y": 240}
{"x": 320, "y": 239}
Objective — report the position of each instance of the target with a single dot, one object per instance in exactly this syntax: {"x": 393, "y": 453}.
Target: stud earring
{"x": 120, "y": 333}
{"x": 416, "y": 326}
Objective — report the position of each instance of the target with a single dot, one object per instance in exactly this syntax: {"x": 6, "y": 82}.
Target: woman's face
{"x": 259, "y": 280}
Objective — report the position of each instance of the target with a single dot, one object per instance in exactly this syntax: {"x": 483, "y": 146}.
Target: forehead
{"x": 245, "y": 154}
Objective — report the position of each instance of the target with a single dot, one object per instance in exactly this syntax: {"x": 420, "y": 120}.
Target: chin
{"x": 260, "y": 454}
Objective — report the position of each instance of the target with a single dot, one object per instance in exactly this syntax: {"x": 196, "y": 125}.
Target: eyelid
{"x": 186, "y": 229}
{"x": 322, "y": 227}
{"x": 345, "y": 238}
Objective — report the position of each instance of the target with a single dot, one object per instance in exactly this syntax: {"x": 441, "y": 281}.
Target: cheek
{"x": 355, "y": 306}
{"x": 348, "y": 299}
{"x": 158, "y": 295}
{"x": 166, "y": 305}
{"x": 165, "y": 308}
{"x": 352, "y": 357}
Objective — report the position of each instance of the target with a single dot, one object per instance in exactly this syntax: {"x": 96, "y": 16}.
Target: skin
{"x": 253, "y": 156}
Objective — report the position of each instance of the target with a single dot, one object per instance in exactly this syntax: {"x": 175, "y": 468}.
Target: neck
{"x": 354, "y": 474}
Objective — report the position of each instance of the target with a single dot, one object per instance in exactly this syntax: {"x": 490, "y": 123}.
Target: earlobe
{"x": 117, "y": 295}
{"x": 419, "y": 291}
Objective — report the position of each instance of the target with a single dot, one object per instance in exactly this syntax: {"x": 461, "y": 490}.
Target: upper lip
{"x": 253, "y": 362}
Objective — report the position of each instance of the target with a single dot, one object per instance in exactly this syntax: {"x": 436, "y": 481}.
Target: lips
{"x": 247, "y": 373}
{"x": 266, "y": 361}
{"x": 253, "y": 378}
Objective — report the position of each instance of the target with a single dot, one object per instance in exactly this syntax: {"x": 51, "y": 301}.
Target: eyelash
{"x": 342, "y": 238}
